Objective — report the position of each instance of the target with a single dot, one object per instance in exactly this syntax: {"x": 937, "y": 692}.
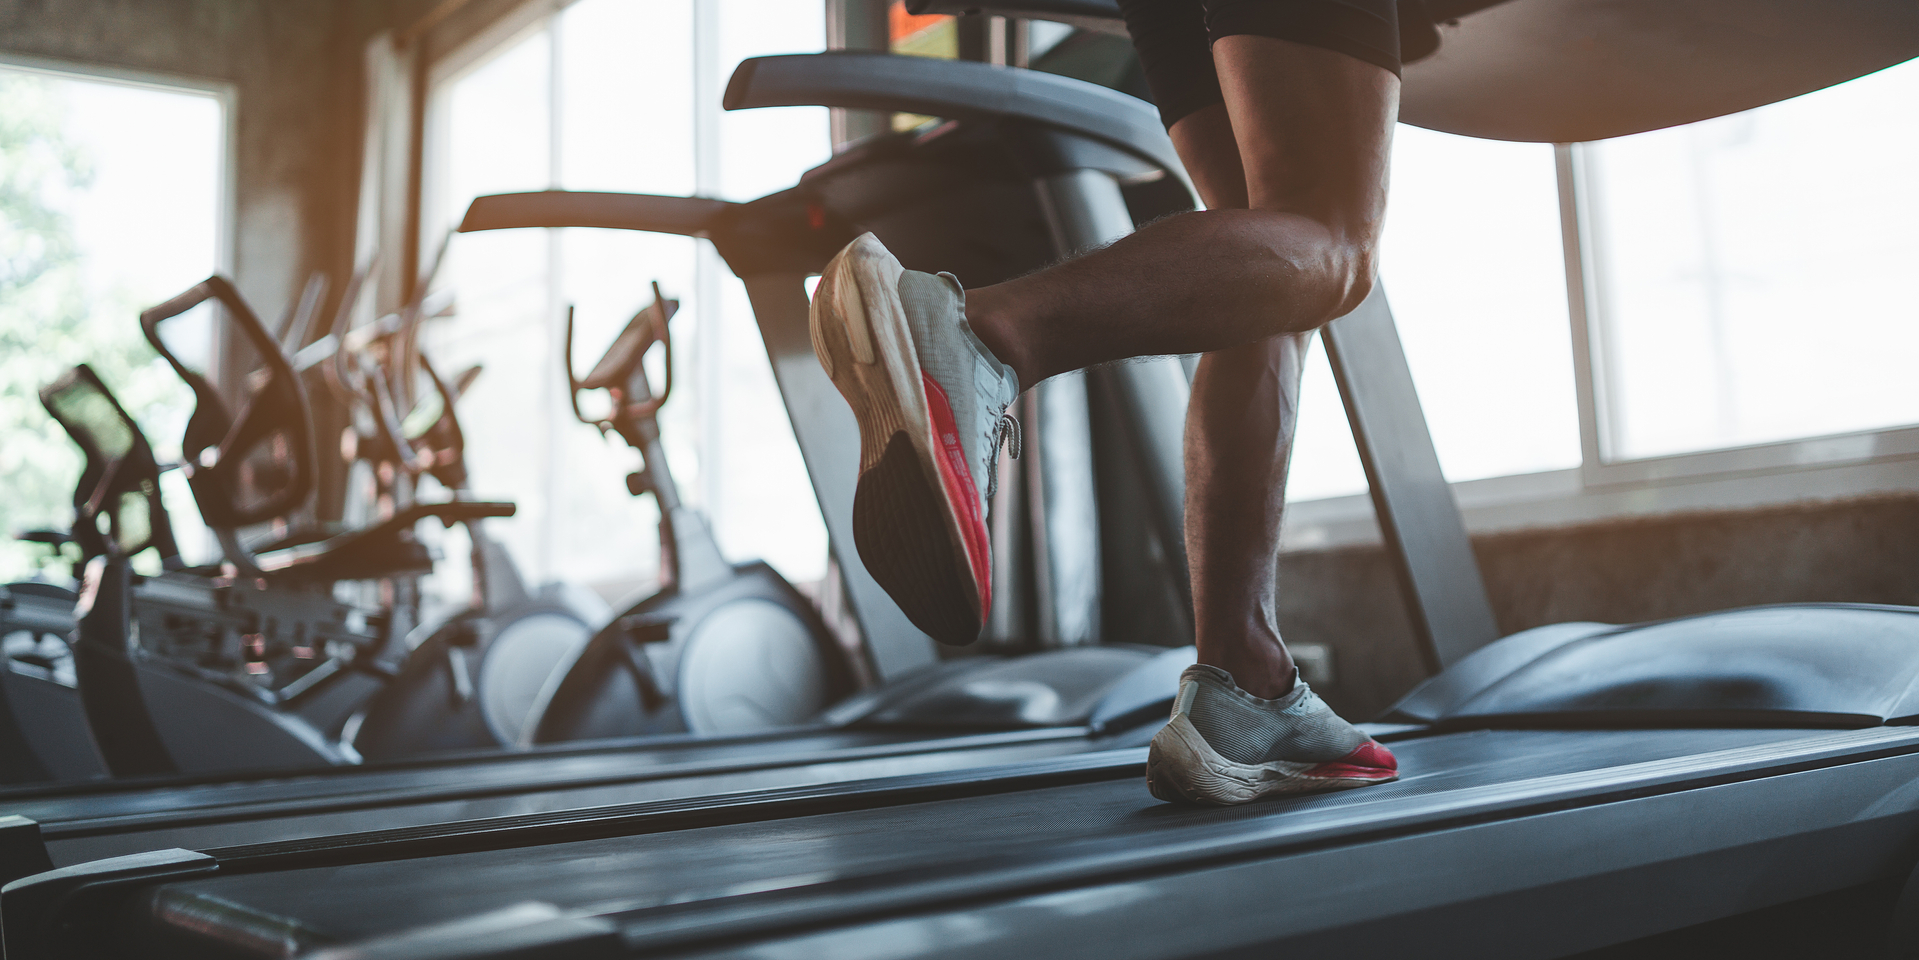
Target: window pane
{"x": 495, "y": 136}
{"x": 1473, "y": 267}
{"x": 765, "y": 150}
{"x": 1476, "y": 272}
{"x": 626, "y": 124}
{"x": 1754, "y": 271}
{"x": 626, "y": 95}
{"x": 110, "y": 201}
{"x": 765, "y": 505}
{"x": 627, "y": 112}
{"x": 1325, "y": 462}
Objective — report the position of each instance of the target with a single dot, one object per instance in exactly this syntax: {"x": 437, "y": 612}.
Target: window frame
{"x": 1606, "y": 487}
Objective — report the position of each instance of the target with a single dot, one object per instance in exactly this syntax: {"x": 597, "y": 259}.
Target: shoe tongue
{"x": 975, "y": 381}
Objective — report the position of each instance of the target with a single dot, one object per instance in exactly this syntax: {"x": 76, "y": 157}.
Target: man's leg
{"x": 1302, "y": 148}
{"x": 929, "y": 368}
{"x": 1239, "y": 432}
{"x": 1239, "y": 436}
{"x": 1314, "y": 130}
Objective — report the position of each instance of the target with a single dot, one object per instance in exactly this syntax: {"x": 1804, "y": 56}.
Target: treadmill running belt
{"x": 102, "y": 837}
{"x": 677, "y": 881}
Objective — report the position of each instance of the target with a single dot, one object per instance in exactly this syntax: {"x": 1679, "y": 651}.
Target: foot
{"x": 930, "y": 400}
{"x": 1226, "y": 746}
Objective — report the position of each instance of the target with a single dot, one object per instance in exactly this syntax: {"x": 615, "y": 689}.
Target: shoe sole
{"x": 1181, "y": 767}
{"x": 916, "y": 518}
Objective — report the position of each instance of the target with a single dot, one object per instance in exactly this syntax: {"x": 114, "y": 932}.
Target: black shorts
{"x": 1174, "y": 39}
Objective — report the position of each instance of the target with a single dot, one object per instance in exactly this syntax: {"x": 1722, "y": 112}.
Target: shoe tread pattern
{"x": 900, "y": 527}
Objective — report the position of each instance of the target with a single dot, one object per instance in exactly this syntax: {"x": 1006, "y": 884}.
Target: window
{"x": 1753, "y": 272}
{"x": 112, "y": 198}
{"x": 1741, "y": 317}
{"x": 610, "y": 95}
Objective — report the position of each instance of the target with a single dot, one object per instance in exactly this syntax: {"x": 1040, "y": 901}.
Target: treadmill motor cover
{"x": 1797, "y": 665}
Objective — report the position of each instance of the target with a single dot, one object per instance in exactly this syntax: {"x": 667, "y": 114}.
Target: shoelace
{"x": 1005, "y": 432}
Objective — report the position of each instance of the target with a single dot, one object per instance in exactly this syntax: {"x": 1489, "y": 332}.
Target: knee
{"x": 1324, "y": 267}
{"x": 1341, "y": 277}
{"x": 1355, "y": 271}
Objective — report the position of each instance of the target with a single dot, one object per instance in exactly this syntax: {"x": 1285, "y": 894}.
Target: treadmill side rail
{"x": 526, "y": 931}
{"x": 33, "y": 910}
{"x": 23, "y": 852}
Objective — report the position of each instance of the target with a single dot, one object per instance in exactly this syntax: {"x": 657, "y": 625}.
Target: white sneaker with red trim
{"x": 930, "y": 400}
{"x": 1225, "y": 746}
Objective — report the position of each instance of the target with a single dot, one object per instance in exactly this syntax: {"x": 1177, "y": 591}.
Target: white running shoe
{"x": 1225, "y": 746}
{"x": 930, "y": 400}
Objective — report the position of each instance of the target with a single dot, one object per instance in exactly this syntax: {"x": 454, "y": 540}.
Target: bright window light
{"x": 627, "y": 120}
{"x": 111, "y": 199}
{"x": 1755, "y": 271}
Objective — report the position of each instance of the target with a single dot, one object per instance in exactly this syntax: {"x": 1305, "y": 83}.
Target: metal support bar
{"x": 116, "y": 706}
{"x": 1065, "y": 512}
{"x": 1153, "y": 395}
{"x": 1085, "y": 209}
{"x": 1418, "y": 518}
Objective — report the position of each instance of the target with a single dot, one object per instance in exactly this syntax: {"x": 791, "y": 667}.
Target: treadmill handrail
{"x": 955, "y": 90}
{"x": 1078, "y": 11}
{"x": 685, "y": 216}
{"x": 1035, "y": 9}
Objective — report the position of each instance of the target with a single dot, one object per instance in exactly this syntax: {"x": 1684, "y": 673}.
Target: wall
{"x": 1863, "y": 551}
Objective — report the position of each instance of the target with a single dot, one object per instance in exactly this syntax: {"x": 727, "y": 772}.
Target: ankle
{"x": 992, "y": 321}
{"x": 1262, "y": 675}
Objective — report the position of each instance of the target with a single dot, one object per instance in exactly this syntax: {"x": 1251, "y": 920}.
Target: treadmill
{"x": 929, "y": 717}
{"x": 1071, "y": 701}
{"x": 1562, "y": 789}
{"x": 921, "y": 723}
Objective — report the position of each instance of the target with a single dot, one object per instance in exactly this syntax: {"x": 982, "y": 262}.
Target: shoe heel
{"x": 850, "y": 296}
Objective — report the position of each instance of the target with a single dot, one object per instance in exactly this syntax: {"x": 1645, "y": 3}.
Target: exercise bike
{"x": 721, "y": 648}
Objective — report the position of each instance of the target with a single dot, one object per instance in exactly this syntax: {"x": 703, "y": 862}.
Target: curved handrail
{"x": 685, "y": 216}
{"x": 211, "y": 430}
{"x": 956, "y": 90}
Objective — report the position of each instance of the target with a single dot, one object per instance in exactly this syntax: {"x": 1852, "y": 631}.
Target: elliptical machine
{"x": 721, "y": 648}
{"x": 474, "y": 680}
{"x": 225, "y": 658}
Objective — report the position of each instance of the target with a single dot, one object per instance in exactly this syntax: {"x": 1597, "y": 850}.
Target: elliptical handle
{"x": 660, "y": 314}
{"x": 299, "y": 318}
{"x": 573, "y": 387}
{"x": 622, "y": 369}
{"x": 449, "y": 461}
{"x": 282, "y": 397}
